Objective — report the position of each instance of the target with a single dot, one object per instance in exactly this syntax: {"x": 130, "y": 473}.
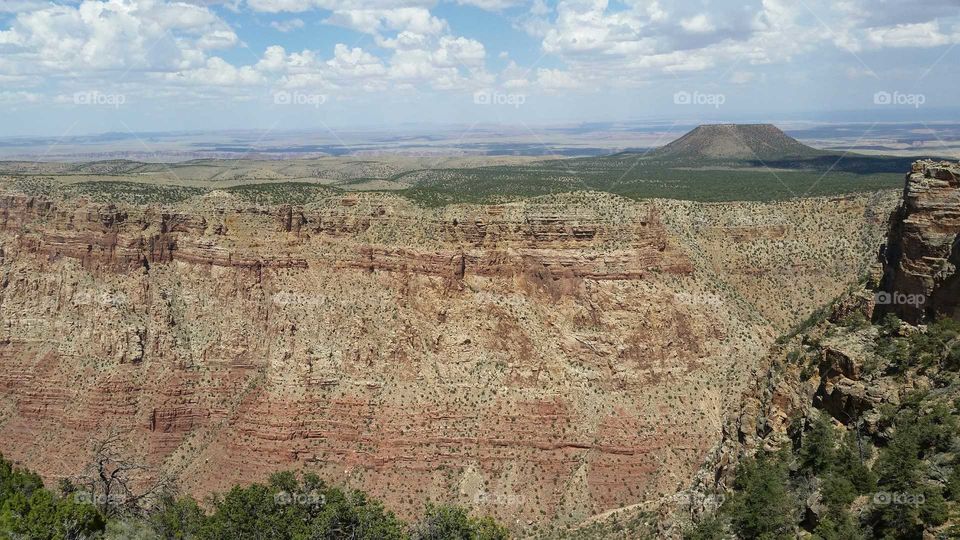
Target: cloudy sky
{"x": 90, "y": 66}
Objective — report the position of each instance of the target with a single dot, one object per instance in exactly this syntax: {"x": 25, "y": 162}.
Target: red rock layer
{"x": 512, "y": 363}
{"x": 540, "y": 365}
{"x": 103, "y": 237}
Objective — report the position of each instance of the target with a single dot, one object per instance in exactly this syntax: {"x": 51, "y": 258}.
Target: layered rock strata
{"x": 541, "y": 361}
{"x": 921, "y": 257}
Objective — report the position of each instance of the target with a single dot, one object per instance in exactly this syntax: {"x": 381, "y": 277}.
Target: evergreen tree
{"x": 761, "y": 506}
{"x": 818, "y": 451}
{"x": 838, "y": 524}
{"x": 453, "y": 523}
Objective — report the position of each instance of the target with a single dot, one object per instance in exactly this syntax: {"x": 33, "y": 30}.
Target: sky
{"x": 70, "y": 67}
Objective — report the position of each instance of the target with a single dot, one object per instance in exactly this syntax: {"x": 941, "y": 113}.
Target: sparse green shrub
{"x": 953, "y": 484}
{"x": 855, "y": 321}
{"x": 708, "y": 528}
{"x": 454, "y": 523}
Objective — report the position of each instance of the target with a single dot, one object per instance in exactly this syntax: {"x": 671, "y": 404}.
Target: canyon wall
{"x": 541, "y": 361}
{"x": 921, "y": 257}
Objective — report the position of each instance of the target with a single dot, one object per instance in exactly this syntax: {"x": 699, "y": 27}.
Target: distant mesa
{"x": 764, "y": 142}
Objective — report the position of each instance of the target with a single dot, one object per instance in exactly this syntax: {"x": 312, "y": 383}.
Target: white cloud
{"x": 446, "y": 63}
{"x": 375, "y": 21}
{"x": 910, "y": 35}
{"x": 8, "y": 97}
{"x": 555, "y": 79}
{"x": 742, "y": 77}
{"x": 355, "y": 63}
{"x": 615, "y": 46}
{"x": 540, "y": 8}
{"x": 274, "y": 59}
{"x": 148, "y": 35}
{"x": 459, "y": 51}
{"x": 697, "y": 24}
{"x": 296, "y": 6}
{"x": 656, "y": 12}
{"x": 274, "y": 6}
{"x": 404, "y": 40}
{"x": 175, "y": 47}
{"x": 491, "y": 5}
{"x": 513, "y": 76}
{"x": 287, "y": 26}
{"x": 217, "y": 72}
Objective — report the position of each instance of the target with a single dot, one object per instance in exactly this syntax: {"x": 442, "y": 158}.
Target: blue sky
{"x": 89, "y": 66}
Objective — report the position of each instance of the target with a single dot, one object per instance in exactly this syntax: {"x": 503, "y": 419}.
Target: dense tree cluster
{"x": 285, "y": 507}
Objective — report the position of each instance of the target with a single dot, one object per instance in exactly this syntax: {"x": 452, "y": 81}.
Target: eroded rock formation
{"x": 921, "y": 257}
{"x": 543, "y": 361}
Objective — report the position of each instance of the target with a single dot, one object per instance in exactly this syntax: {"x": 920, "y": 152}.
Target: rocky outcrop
{"x": 833, "y": 368}
{"x": 921, "y": 281}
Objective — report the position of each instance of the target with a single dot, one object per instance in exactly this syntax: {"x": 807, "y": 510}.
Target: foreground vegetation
{"x": 839, "y": 479}
{"x": 285, "y": 507}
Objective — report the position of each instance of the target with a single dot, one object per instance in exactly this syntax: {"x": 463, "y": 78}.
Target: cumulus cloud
{"x": 355, "y": 63}
{"x": 454, "y": 51}
{"x": 120, "y": 34}
{"x": 909, "y": 35}
{"x": 276, "y": 6}
{"x": 186, "y": 46}
{"x": 491, "y": 5}
{"x": 555, "y": 79}
{"x": 375, "y": 21}
{"x": 643, "y": 39}
{"x": 287, "y": 26}
{"x": 217, "y": 72}
{"x": 697, "y": 24}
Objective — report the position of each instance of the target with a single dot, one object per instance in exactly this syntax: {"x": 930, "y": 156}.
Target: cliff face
{"x": 542, "y": 362}
{"x": 860, "y": 377}
{"x": 923, "y": 252}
